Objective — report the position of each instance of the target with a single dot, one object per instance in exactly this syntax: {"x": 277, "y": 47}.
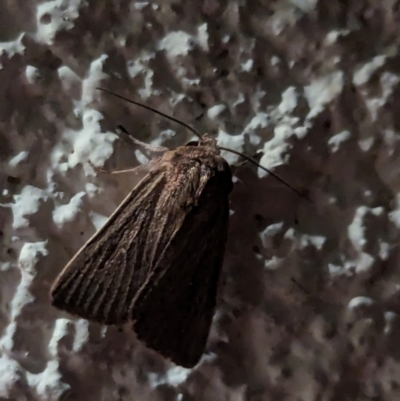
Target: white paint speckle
{"x": 304, "y": 5}
{"x": 30, "y": 254}
{"x": 391, "y": 318}
{"x": 32, "y": 74}
{"x": 68, "y": 77}
{"x": 317, "y": 241}
{"x": 12, "y": 48}
{"x": 260, "y": 120}
{"x": 27, "y": 203}
{"x": 337, "y": 140}
{"x": 17, "y": 159}
{"x": 360, "y": 301}
{"x": 268, "y": 234}
{"x": 275, "y": 60}
{"x": 215, "y": 111}
{"x": 98, "y": 220}
{"x": 174, "y": 377}
{"x": 363, "y": 75}
{"x": 55, "y": 16}
{"x": 274, "y": 263}
{"x": 333, "y": 36}
{"x": 140, "y": 5}
{"x": 203, "y": 37}
{"x": 356, "y": 229}
{"x": 388, "y": 82}
{"x": 248, "y": 65}
{"x": 177, "y": 44}
{"x": 289, "y": 100}
{"x": 10, "y": 372}
{"x": 275, "y": 151}
{"x": 232, "y": 142}
{"x": 67, "y": 213}
{"x": 322, "y": 91}
{"x": 48, "y": 383}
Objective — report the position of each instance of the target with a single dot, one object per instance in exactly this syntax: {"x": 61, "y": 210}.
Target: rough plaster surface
{"x": 309, "y": 305}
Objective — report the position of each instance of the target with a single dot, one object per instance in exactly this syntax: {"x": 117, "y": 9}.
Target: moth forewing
{"x": 64, "y": 291}
{"x": 157, "y": 260}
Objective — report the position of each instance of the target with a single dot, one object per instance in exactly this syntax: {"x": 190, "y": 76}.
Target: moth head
{"x": 209, "y": 141}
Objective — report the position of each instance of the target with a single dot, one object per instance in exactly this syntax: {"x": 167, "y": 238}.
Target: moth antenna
{"x": 300, "y": 286}
{"x": 250, "y": 159}
{"x": 187, "y": 126}
{"x": 191, "y": 129}
{"x": 124, "y": 130}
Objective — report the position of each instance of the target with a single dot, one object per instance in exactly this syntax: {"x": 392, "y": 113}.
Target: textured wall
{"x": 309, "y": 297}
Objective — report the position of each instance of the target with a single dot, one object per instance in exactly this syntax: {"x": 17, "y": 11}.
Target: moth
{"x": 156, "y": 262}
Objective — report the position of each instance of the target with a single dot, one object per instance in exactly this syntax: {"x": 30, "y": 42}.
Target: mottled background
{"x": 309, "y": 298}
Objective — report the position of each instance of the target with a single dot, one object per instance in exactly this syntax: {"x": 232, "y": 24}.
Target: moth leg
{"x": 104, "y": 171}
{"x": 242, "y": 163}
{"x": 153, "y": 151}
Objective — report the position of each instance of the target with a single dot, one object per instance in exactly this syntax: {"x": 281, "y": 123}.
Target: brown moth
{"x": 157, "y": 260}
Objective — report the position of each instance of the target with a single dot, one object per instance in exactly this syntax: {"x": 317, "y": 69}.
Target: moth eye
{"x": 192, "y": 143}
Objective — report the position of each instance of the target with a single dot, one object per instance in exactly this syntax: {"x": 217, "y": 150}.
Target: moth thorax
{"x": 209, "y": 141}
